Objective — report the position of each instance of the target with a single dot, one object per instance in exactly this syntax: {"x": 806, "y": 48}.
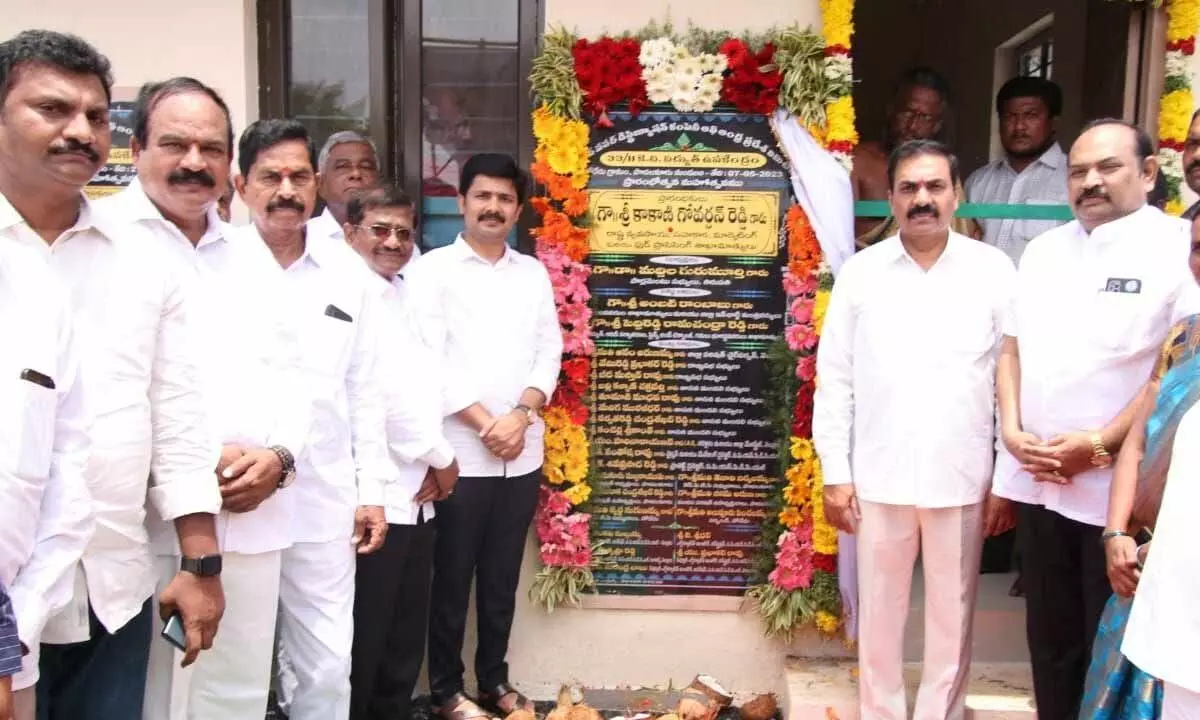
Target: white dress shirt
{"x": 414, "y": 408}
{"x": 255, "y": 393}
{"x": 131, "y": 310}
{"x": 904, "y": 405}
{"x": 336, "y": 323}
{"x": 1090, "y": 314}
{"x": 494, "y": 329}
{"x": 46, "y": 517}
{"x": 1164, "y": 626}
{"x": 1043, "y": 182}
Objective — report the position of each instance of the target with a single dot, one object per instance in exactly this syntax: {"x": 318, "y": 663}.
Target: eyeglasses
{"x": 383, "y": 232}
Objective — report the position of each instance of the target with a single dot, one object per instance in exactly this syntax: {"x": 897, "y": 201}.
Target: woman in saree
{"x": 1116, "y": 689}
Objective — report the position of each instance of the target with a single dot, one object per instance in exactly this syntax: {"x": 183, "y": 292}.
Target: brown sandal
{"x": 460, "y": 707}
{"x": 493, "y": 697}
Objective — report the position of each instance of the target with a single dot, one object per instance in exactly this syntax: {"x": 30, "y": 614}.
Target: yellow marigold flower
{"x": 1183, "y": 19}
{"x": 840, "y": 121}
{"x": 1175, "y": 115}
{"x": 824, "y": 536}
{"x": 820, "y": 306}
{"x": 544, "y": 123}
{"x": 1175, "y": 208}
{"x": 827, "y": 622}
{"x": 795, "y": 494}
{"x": 802, "y": 449}
{"x": 837, "y": 21}
{"x": 578, "y": 494}
{"x": 791, "y": 517}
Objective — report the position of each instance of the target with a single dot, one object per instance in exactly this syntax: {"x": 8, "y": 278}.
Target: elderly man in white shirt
{"x": 913, "y": 326}
{"x": 149, "y": 437}
{"x": 487, "y": 312}
{"x": 391, "y": 605}
{"x": 1033, "y": 170}
{"x": 46, "y": 517}
{"x": 341, "y": 479}
{"x": 182, "y": 146}
{"x": 1095, "y": 299}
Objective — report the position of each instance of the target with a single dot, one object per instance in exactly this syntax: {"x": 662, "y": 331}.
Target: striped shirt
{"x": 1044, "y": 182}
{"x": 10, "y": 644}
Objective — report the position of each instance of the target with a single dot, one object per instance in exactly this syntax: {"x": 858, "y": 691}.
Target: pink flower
{"x": 806, "y": 368}
{"x": 802, "y": 308}
{"x": 794, "y": 560}
{"x": 794, "y": 286}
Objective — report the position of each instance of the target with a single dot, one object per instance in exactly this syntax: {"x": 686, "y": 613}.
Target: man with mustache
{"x": 487, "y": 313}
{"x": 341, "y": 479}
{"x": 905, "y": 439}
{"x": 391, "y": 612}
{"x": 920, "y": 110}
{"x": 149, "y": 440}
{"x": 1033, "y": 170}
{"x": 1095, "y": 299}
{"x": 182, "y": 145}
{"x": 1191, "y": 164}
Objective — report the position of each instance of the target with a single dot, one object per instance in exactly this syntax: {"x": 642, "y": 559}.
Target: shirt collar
{"x": 1054, "y": 158}
{"x": 141, "y": 208}
{"x": 466, "y": 253}
{"x": 1136, "y": 225}
{"x": 327, "y": 224}
{"x": 88, "y": 218}
{"x": 311, "y": 252}
{"x": 893, "y": 250}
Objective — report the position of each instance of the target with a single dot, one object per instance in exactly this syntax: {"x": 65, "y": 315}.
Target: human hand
{"x": 250, "y": 480}
{"x": 200, "y": 602}
{"x": 370, "y": 528}
{"x": 841, "y": 507}
{"x": 1121, "y": 564}
{"x": 999, "y": 515}
{"x": 504, "y": 437}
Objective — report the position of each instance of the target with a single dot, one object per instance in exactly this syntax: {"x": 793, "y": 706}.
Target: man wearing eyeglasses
{"x": 391, "y": 607}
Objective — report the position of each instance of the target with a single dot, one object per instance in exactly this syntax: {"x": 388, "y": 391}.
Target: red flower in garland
{"x": 752, "y": 85}
{"x": 572, "y": 385}
{"x": 802, "y": 419}
{"x": 609, "y": 73}
{"x": 827, "y": 563}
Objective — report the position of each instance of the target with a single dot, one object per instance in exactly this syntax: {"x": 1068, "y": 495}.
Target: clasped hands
{"x": 1056, "y": 460}
{"x": 504, "y": 435}
{"x": 247, "y": 477}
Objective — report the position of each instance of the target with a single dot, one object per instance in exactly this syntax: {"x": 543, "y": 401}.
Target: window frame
{"x": 1043, "y": 42}
{"x": 395, "y": 60}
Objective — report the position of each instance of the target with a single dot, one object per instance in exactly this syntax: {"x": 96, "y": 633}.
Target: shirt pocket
{"x": 328, "y": 346}
{"x": 27, "y": 412}
{"x": 1120, "y": 322}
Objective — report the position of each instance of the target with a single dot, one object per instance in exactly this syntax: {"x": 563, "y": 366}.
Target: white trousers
{"x": 1180, "y": 703}
{"x": 316, "y": 629}
{"x": 950, "y": 541}
{"x": 231, "y": 680}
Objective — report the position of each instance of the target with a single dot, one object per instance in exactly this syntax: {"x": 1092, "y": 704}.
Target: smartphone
{"x": 173, "y": 632}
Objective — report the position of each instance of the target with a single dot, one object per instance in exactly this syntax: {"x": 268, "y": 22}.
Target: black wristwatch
{"x": 203, "y": 566}
{"x": 289, "y": 465}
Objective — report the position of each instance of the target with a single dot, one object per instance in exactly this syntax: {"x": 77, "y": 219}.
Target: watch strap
{"x": 203, "y": 566}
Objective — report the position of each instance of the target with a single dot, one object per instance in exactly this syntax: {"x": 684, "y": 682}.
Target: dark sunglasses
{"x": 383, "y": 232}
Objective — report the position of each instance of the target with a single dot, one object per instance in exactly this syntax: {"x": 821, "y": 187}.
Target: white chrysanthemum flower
{"x": 656, "y": 52}
{"x": 706, "y": 99}
{"x": 689, "y": 67}
{"x": 712, "y": 82}
{"x": 1176, "y": 64}
{"x": 679, "y": 52}
{"x": 720, "y": 63}
{"x": 659, "y": 92}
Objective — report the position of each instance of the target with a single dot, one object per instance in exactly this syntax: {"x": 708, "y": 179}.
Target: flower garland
{"x": 560, "y": 166}
{"x": 1176, "y": 105}
{"x": 810, "y": 76}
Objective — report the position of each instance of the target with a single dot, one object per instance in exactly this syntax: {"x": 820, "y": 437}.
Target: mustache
{"x": 1089, "y": 193}
{"x": 74, "y": 146}
{"x": 1193, "y": 165}
{"x": 286, "y": 204}
{"x": 916, "y": 210}
{"x": 491, "y": 216}
{"x": 184, "y": 176}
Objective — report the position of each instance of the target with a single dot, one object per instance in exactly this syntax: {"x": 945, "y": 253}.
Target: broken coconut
{"x": 703, "y": 699}
{"x": 520, "y": 714}
{"x": 762, "y": 707}
{"x": 568, "y": 709}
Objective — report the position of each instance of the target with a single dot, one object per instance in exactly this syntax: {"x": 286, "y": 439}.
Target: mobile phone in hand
{"x": 173, "y": 632}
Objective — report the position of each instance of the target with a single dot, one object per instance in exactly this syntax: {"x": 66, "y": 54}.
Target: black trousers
{"x": 481, "y": 537}
{"x": 1066, "y": 587}
{"x": 391, "y": 612}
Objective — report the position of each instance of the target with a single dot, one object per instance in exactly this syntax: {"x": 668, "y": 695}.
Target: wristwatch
{"x": 1100, "y": 456}
{"x": 530, "y": 413}
{"x": 203, "y": 566}
{"x": 289, "y": 465}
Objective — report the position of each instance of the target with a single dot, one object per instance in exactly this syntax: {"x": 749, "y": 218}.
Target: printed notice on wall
{"x": 687, "y": 231}
{"x": 119, "y": 171}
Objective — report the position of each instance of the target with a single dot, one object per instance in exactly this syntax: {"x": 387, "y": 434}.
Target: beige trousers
{"x": 950, "y": 541}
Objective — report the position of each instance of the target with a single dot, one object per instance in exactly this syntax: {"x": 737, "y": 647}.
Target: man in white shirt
{"x": 1095, "y": 299}
{"x": 149, "y": 438}
{"x": 340, "y": 481}
{"x": 46, "y": 517}
{"x": 391, "y": 606}
{"x": 905, "y": 484}
{"x": 1033, "y": 170}
{"x": 487, "y": 313}
{"x": 1191, "y": 165}
{"x": 182, "y": 145}
{"x": 348, "y": 163}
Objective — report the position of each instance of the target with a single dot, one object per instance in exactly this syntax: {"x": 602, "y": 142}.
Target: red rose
{"x": 827, "y": 563}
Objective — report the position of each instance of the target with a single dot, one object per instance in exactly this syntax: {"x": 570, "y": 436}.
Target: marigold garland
{"x": 1176, "y": 104}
